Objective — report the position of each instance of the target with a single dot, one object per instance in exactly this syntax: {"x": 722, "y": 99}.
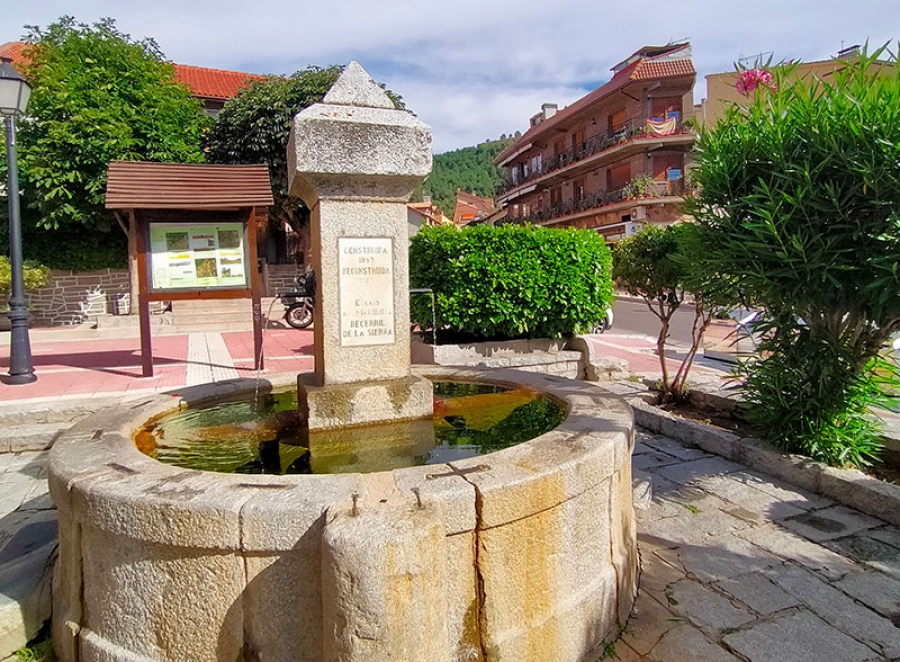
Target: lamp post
{"x": 14, "y": 93}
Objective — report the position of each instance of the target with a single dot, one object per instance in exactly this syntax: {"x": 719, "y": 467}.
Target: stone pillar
{"x": 354, "y": 159}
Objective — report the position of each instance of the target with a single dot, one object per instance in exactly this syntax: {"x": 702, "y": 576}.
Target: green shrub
{"x": 35, "y": 275}
{"x": 798, "y": 208}
{"x": 494, "y": 283}
{"x": 71, "y": 248}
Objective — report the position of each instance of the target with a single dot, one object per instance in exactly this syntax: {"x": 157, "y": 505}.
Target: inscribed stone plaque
{"x": 366, "y": 267}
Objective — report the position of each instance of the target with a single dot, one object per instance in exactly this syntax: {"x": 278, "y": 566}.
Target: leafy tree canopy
{"x": 470, "y": 169}
{"x": 510, "y": 281}
{"x": 98, "y": 95}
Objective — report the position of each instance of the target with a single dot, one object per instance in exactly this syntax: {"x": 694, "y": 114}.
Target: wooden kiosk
{"x": 192, "y": 234}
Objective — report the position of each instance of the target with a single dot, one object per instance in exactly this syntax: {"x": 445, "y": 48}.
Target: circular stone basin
{"x": 527, "y": 554}
{"x": 263, "y": 435}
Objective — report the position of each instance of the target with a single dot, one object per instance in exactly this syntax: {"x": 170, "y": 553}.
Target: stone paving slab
{"x": 830, "y": 523}
{"x": 758, "y": 592}
{"x": 28, "y": 536}
{"x": 838, "y": 609}
{"x": 797, "y": 637}
{"x": 869, "y": 551}
{"x": 773, "y": 588}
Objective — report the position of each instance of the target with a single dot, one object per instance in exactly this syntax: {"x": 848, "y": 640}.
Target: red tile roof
{"x": 213, "y": 83}
{"x": 643, "y": 68}
{"x": 666, "y": 69}
{"x": 470, "y": 206}
{"x": 13, "y": 50}
{"x": 203, "y": 82}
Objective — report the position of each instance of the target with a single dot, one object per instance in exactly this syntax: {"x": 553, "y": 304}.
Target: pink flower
{"x": 751, "y": 79}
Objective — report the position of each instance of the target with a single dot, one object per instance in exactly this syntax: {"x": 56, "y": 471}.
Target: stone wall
{"x": 77, "y": 297}
{"x": 544, "y": 356}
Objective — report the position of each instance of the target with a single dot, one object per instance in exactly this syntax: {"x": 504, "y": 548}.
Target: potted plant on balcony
{"x": 640, "y": 187}
{"x": 35, "y": 275}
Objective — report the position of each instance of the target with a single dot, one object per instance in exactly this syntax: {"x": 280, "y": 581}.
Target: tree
{"x": 254, "y": 127}
{"x": 654, "y": 264}
{"x": 98, "y": 95}
{"x": 798, "y": 209}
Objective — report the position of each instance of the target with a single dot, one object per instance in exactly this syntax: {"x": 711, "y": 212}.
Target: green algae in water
{"x": 265, "y": 437}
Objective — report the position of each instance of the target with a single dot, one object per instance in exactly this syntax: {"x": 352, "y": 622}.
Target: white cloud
{"x": 475, "y": 69}
{"x": 461, "y": 116}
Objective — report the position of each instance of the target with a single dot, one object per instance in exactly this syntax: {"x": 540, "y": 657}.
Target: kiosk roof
{"x": 145, "y": 185}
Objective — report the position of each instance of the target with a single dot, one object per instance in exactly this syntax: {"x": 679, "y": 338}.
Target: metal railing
{"x": 631, "y": 191}
{"x": 635, "y": 127}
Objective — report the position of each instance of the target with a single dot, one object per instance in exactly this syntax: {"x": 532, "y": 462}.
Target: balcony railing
{"x": 636, "y": 127}
{"x": 636, "y": 191}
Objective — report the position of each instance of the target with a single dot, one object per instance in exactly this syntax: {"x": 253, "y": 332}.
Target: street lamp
{"x": 14, "y": 93}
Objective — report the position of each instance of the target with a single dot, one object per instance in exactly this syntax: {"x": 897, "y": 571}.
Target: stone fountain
{"x": 523, "y": 555}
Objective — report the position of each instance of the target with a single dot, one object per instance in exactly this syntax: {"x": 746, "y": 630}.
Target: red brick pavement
{"x": 92, "y": 366}
{"x": 88, "y": 365}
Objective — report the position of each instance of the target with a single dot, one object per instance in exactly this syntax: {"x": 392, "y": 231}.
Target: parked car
{"x": 605, "y": 323}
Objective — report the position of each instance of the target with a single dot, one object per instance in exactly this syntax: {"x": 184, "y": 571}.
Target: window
{"x": 617, "y": 121}
{"x": 618, "y": 176}
{"x": 578, "y": 191}
{"x": 536, "y": 164}
{"x": 578, "y": 140}
{"x": 663, "y": 163}
{"x": 555, "y": 196}
{"x": 514, "y": 175}
{"x": 664, "y": 108}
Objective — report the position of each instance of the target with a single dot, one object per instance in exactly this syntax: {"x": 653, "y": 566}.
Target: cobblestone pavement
{"x": 736, "y": 565}
{"x": 27, "y": 547}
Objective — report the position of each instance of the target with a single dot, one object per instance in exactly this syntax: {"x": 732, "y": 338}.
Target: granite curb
{"x": 848, "y": 486}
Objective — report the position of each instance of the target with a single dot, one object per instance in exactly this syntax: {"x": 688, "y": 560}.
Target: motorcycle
{"x": 299, "y": 304}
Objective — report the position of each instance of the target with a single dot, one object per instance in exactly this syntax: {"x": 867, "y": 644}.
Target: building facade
{"x": 613, "y": 160}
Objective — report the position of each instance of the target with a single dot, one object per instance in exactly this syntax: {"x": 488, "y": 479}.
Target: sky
{"x": 476, "y": 69}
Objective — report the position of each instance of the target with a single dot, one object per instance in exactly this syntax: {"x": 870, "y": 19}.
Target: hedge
{"x": 500, "y": 283}
{"x": 72, "y": 248}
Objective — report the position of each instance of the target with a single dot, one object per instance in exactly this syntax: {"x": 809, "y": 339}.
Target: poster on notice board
{"x": 197, "y": 256}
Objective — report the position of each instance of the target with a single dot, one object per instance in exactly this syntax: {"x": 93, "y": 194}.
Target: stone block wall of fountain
{"x": 523, "y": 555}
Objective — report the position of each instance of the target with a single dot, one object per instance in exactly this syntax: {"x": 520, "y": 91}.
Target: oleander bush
{"x": 799, "y": 212}
{"x": 507, "y": 282}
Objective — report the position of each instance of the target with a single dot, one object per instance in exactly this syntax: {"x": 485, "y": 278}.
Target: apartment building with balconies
{"x": 613, "y": 160}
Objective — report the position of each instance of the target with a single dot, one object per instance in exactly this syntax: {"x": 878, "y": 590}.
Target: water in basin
{"x": 265, "y": 437}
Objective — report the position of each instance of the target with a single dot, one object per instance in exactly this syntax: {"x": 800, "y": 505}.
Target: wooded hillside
{"x": 470, "y": 169}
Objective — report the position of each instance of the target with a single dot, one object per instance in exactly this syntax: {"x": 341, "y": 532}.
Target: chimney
{"x": 548, "y": 110}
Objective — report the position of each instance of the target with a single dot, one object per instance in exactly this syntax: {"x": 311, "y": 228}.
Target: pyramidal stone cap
{"x": 356, "y": 144}
{"x": 354, "y": 87}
